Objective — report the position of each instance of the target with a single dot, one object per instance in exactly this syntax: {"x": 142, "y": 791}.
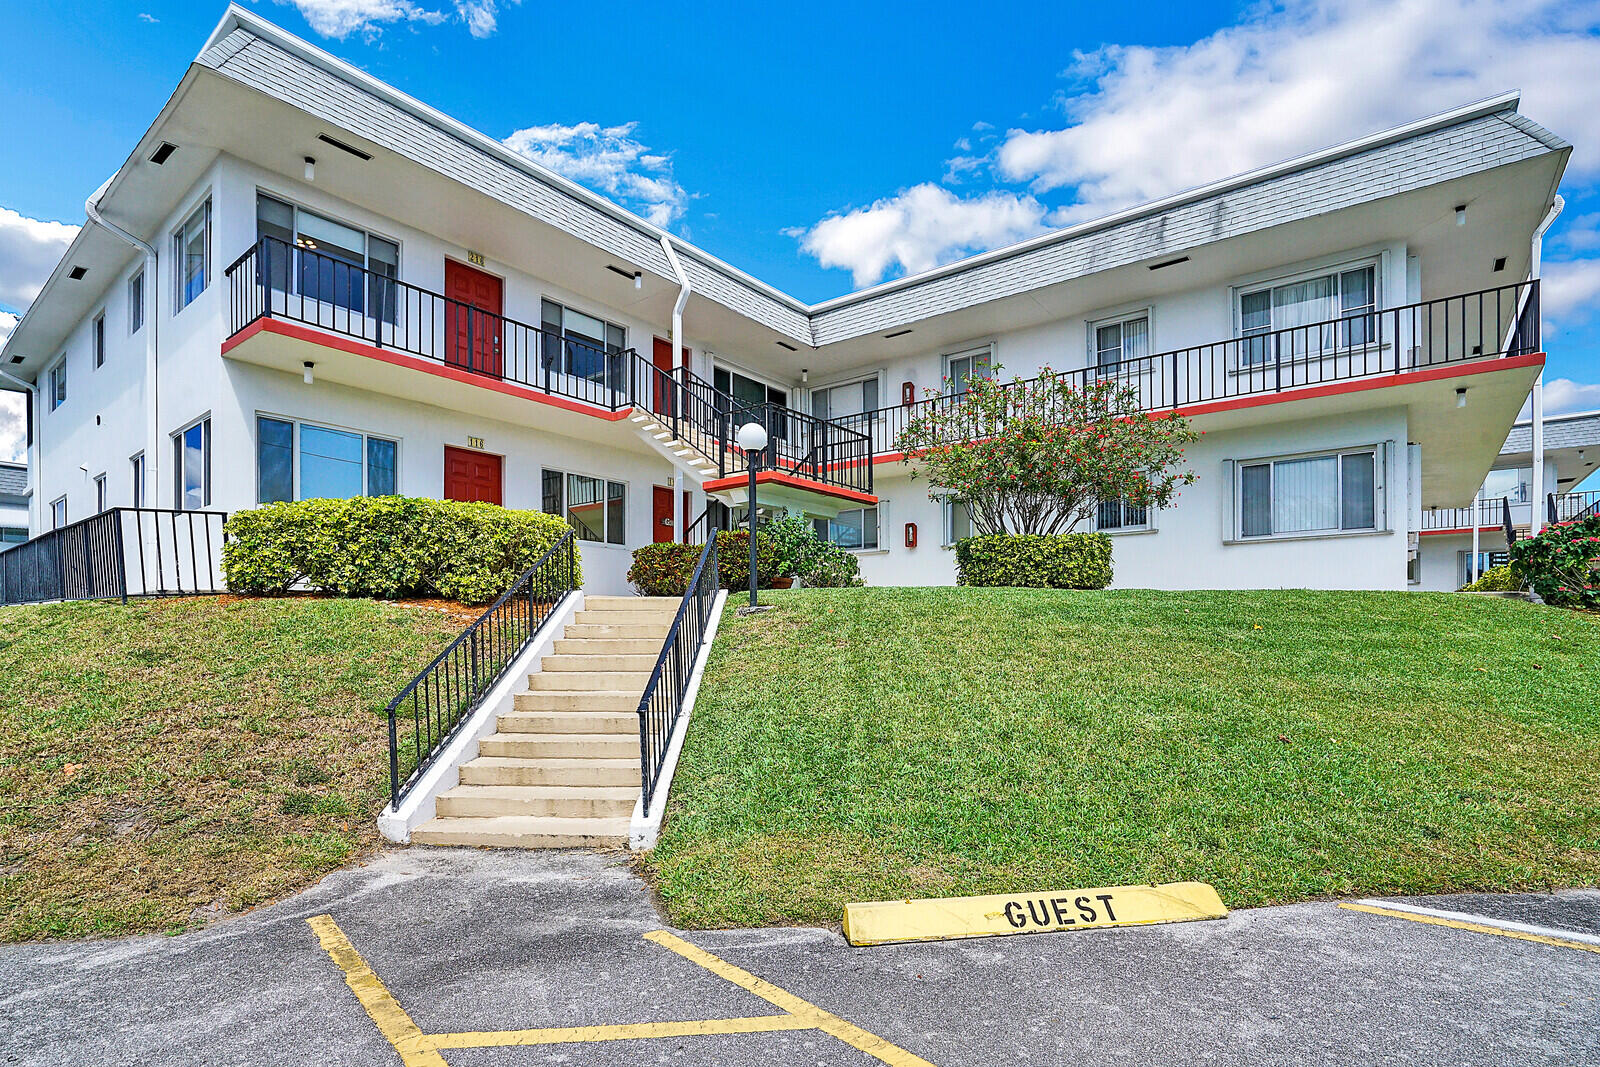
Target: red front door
{"x": 661, "y": 356}
{"x": 661, "y": 513}
{"x": 472, "y": 322}
{"x": 471, "y": 475}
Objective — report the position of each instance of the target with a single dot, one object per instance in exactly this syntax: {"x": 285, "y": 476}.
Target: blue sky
{"x": 838, "y": 145}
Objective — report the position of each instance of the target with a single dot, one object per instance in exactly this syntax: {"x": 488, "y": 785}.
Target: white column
{"x": 1477, "y": 510}
{"x": 1536, "y": 521}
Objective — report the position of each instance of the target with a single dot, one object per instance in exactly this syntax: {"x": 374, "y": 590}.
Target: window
{"x": 191, "y": 247}
{"x": 1515, "y": 483}
{"x": 58, "y": 513}
{"x": 136, "y": 467}
{"x": 857, "y": 528}
{"x": 1120, "y": 515}
{"x": 58, "y": 384}
{"x": 332, "y": 262}
{"x": 846, "y": 403}
{"x": 957, "y": 521}
{"x": 97, "y": 340}
{"x": 1120, "y": 342}
{"x": 13, "y": 535}
{"x": 745, "y": 390}
{"x": 191, "y": 466}
{"x": 964, "y": 366}
{"x": 99, "y": 493}
{"x": 594, "y": 507}
{"x": 323, "y": 462}
{"x": 136, "y": 303}
{"x": 581, "y": 345}
{"x": 1349, "y": 296}
{"x": 1311, "y": 494}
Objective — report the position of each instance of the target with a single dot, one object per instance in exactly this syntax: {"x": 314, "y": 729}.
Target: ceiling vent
{"x": 897, "y": 333}
{"x": 77, "y": 273}
{"x": 790, "y": 347}
{"x": 162, "y": 154}
{"x": 354, "y": 151}
{"x": 1169, "y": 263}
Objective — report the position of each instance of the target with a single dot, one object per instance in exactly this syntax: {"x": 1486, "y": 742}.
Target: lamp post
{"x": 752, "y": 438}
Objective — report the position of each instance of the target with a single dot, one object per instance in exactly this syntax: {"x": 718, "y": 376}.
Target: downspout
{"x": 1535, "y": 265}
{"x": 152, "y": 287}
{"x": 684, "y": 289}
{"x": 35, "y": 425}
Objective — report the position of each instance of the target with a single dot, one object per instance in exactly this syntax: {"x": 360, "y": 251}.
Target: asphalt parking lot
{"x": 462, "y": 957}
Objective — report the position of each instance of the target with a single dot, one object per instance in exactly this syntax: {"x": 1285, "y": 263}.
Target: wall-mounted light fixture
{"x": 805, "y": 375}
{"x": 311, "y": 169}
{"x": 1461, "y": 214}
{"x": 638, "y": 279}
{"x": 307, "y": 377}
{"x": 1461, "y": 398}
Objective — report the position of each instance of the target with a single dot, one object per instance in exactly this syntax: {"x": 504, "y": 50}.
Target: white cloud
{"x": 29, "y": 251}
{"x": 1570, "y": 290}
{"x": 340, "y": 18}
{"x": 920, "y": 228}
{"x": 609, "y": 160}
{"x": 1299, "y": 75}
{"x": 13, "y": 430}
{"x": 145, "y": 16}
{"x": 481, "y": 16}
{"x": 1563, "y": 394}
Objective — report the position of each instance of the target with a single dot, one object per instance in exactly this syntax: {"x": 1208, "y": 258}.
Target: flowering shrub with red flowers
{"x": 1562, "y": 564}
{"x": 1038, "y": 456}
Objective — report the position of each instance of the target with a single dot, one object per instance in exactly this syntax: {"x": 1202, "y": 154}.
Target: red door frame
{"x": 661, "y": 358}
{"x": 467, "y": 475}
{"x": 473, "y": 318}
{"x": 661, "y": 514}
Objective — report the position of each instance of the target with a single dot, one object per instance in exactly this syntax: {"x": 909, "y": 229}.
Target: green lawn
{"x": 868, "y": 744}
{"x": 165, "y": 762}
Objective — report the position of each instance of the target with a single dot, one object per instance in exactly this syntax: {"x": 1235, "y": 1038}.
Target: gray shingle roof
{"x": 1561, "y": 431}
{"x": 13, "y": 479}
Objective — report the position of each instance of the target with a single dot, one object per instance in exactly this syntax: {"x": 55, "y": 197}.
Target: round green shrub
{"x": 386, "y": 547}
{"x": 1562, "y": 564}
{"x": 1040, "y": 561}
{"x": 665, "y": 568}
{"x": 1494, "y": 580}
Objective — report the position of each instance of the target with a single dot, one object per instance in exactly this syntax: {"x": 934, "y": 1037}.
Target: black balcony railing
{"x": 1565, "y": 507}
{"x": 435, "y": 703}
{"x": 1491, "y": 323}
{"x": 275, "y": 279}
{"x": 662, "y": 703}
{"x": 117, "y": 554}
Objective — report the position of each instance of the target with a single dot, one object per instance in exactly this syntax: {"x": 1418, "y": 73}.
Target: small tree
{"x": 1038, "y": 456}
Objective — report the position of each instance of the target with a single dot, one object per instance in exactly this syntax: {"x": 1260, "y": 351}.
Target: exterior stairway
{"x": 562, "y": 768}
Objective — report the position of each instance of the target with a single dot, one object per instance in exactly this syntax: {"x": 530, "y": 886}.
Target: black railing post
{"x": 265, "y": 245}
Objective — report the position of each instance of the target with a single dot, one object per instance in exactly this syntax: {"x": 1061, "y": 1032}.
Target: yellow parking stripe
{"x": 832, "y": 1025}
{"x": 556, "y": 1035}
{"x": 414, "y": 1047}
{"x": 1478, "y": 928}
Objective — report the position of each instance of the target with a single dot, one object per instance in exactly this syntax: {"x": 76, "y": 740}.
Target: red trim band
{"x": 793, "y": 481}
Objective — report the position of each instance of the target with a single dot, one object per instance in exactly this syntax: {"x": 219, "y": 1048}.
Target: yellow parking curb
{"x": 887, "y": 921}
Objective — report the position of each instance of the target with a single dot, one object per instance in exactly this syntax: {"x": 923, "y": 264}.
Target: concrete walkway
{"x": 496, "y": 949}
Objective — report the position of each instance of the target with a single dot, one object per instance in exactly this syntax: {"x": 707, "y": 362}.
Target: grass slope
{"x": 168, "y": 761}
{"x": 870, "y": 744}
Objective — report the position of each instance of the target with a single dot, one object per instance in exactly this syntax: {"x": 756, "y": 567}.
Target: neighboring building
{"x": 1571, "y": 447}
{"x": 13, "y": 504}
{"x": 347, "y": 292}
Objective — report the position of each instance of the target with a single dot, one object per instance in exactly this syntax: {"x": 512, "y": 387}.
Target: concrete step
{"x": 589, "y": 681}
{"x": 630, "y": 603}
{"x": 618, "y": 617}
{"x": 609, "y": 646}
{"x": 640, "y": 661}
{"x": 570, "y": 722}
{"x": 587, "y": 700}
{"x": 523, "y": 831}
{"x": 560, "y": 801}
{"x": 623, "y": 631}
{"x": 511, "y": 770}
{"x": 560, "y": 746}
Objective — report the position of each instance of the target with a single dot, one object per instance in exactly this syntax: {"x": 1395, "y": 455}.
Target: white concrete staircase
{"x": 657, "y": 433}
{"x": 561, "y": 769}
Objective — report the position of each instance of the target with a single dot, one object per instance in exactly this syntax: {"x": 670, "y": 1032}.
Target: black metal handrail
{"x": 117, "y": 554}
{"x": 662, "y": 702}
{"x": 446, "y": 692}
{"x": 1567, "y": 507}
{"x": 1490, "y": 323}
{"x": 1506, "y": 524}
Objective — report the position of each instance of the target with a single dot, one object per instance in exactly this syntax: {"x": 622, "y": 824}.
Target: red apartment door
{"x": 471, "y": 475}
{"x": 661, "y": 512}
{"x": 661, "y": 356}
{"x": 473, "y": 333}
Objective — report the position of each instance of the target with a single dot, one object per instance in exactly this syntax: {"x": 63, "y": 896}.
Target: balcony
{"x": 1497, "y": 514}
{"x": 1472, "y": 327}
{"x": 287, "y": 302}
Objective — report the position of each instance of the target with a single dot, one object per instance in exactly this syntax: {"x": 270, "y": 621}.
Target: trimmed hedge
{"x": 1562, "y": 564}
{"x": 1494, "y": 580}
{"x": 1043, "y": 561}
{"x": 665, "y": 568}
{"x": 387, "y": 548}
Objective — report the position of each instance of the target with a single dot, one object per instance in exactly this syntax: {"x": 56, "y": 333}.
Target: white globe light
{"x": 752, "y": 437}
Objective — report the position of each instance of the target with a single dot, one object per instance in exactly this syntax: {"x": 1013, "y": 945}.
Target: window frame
{"x": 97, "y": 341}
{"x": 612, "y": 372}
{"x": 101, "y": 501}
{"x": 1092, "y": 339}
{"x": 136, "y": 301}
{"x": 877, "y": 527}
{"x": 1380, "y": 516}
{"x": 178, "y": 490}
{"x": 606, "y": 522}
{"x": 58, "y": 521}
{"x": 947, "y": 515}
{"x": 1335, "y": 270}
{"x": 987, "y": 349}
{"x": 1146, "y": 526}
{"x": 868, "y": 415}
{"x": 202, "y": 209}
{"x": 295, "y": 425}
{"x": 136, "y": 473}
{"x": 294, "y": 277}
{"x": 57, "y": 380}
